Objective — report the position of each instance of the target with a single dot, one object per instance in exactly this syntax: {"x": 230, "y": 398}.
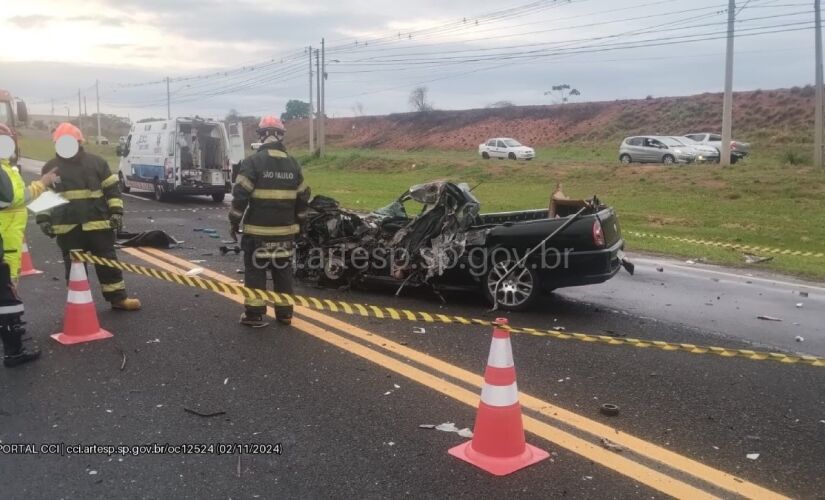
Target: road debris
{"x": 803, "y": 294}
{"x": 201, "y": 414}
{"x": 156, "y": 341}
{"x": 690, "y": 262}
{"x": 419, "y": 329}
{"x": 609, "y": 409}
{"x": 610, "y": 445}
{"x": 755, "y": 259}
{"x": 426, "y": 426}
{"x": 752, "y": 456}
{"x": 194, "y": 271}
{"x": 800, "y": 305}
{"x": 768, "y": 318}
{"x": 660, "y": 269}
{"x": 123, "y": 362}
{"x": 799, "y": 338}
{"x": 449, "y": 427}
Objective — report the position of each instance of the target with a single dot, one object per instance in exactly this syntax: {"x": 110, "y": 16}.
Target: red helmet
{"x": 271, "y": 123}
{"x": 67, "y": 128}
{"x": 4, "y": 129}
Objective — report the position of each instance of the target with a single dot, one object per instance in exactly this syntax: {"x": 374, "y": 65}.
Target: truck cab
{"x": 181, "y": 156}
{"x": 13, "y": 113}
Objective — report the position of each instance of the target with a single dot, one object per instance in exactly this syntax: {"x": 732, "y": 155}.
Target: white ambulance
{"x": 186, "y": 156}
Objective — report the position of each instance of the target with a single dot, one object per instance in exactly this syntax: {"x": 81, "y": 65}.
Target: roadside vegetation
{"x": 772, "y": 199}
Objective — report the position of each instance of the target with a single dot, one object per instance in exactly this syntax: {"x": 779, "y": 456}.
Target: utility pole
{"x": 168, "y": 101}
{"x": 323, "y": 105}
{"x": 818, "y": 112}
{"x": 97, "y": 98}
{"x": 311, "y": 108}
{"x": 79, "y": 111}
{"x": 727, "y": 105}
{"x": 85, "y": 107}
{"x": 318, "y": 93}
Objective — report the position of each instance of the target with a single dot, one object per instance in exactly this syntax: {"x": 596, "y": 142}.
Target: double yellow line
{"x": 642, "y": 461}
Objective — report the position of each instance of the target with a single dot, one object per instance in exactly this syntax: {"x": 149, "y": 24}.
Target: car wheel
{"x": 625, "y": 159}
{"x": 517, "y": 292}
{"x": 160, "y": 195}
{"x": 511, "y": 156}
{"x": 218, "y": 197}
{"x": 485, "y": 155}
{"x": 668, "y": 160}
{"x": 733, "y": 159}
{"x": 122, "y": 183}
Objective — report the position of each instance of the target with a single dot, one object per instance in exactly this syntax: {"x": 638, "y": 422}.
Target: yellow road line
{"x": 644, "y": 448}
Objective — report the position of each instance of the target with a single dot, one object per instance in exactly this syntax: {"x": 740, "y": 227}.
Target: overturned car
{"x": 511, "y": 257}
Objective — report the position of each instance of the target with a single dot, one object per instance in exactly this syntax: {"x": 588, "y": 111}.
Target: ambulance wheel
{"x": 160, "y": 195}
{"x": 218, "y": 197}
{"x": 123, "y": 187}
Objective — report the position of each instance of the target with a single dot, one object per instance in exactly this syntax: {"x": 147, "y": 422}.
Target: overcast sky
{"x": 250, "y": 55}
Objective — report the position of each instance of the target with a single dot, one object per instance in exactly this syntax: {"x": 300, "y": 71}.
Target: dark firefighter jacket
{"x": 92, "y": 190}
{"x": 270, "y": 190}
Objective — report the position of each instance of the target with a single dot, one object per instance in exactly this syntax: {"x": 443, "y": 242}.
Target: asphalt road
{"x": 345, "y": 395}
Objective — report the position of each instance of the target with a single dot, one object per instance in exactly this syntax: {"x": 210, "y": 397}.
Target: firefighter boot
{"x": 14, "y": 354}
{"x": 126, "y": 304}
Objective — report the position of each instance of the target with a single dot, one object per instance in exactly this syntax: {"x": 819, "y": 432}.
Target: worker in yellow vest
{"x": 13, "y": 196}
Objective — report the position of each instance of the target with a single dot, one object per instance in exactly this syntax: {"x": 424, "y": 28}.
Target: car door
{"x": 501, "y": 149}
{"x": 633, "y": 147}
{"x": 648, "y": 152}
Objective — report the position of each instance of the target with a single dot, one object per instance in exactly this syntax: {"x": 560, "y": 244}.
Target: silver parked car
{"x": 705, "y": 153}
{"x": 655, "y": 149}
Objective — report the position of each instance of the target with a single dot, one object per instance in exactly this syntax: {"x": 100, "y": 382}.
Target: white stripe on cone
{"x": 78, "y": 272}
{"x": 84, "y": 297}
{"x": 501, "y": 354}
{"x": 499, "y": 395}
{"x": 25, "y": 247}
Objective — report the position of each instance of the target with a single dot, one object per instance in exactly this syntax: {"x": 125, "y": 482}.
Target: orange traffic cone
{"x": 498, "y": 444}
{"x": 80, "y": 319}
{"x": 26, "y": 266}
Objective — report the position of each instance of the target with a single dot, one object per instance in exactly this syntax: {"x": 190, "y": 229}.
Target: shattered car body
{"x": 449, "y": 244}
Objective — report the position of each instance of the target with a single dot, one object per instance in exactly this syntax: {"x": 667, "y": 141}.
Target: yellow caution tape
{"x": 391, "y": 313}
{"x": 729, "y": 246}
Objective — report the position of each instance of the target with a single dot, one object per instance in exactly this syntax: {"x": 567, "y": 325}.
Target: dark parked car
{"x": 450, "y": 245}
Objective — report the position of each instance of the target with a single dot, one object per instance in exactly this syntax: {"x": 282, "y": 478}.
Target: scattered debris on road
{"x": 752, "y": 456}
{"x": 799, "y": 338}
{"x": 609, "y": 409}
{"x": 426, "y": 426}
{"x": 799, "y": 305}
{"x": 768, "y": 318}
{"x": 156, "y": 341}
{"x": 123, "y": 362}
{"x": 803, "y": 294}
{"x": 755, "y": 259}
{"x": 419, "y": 329}
{"x": 449, "y": 427}
{"x": 194, "y": 271}
{"x": 610, "y": 445}
{"x": 201, "y": 414}
{"x": 660, "y": 269}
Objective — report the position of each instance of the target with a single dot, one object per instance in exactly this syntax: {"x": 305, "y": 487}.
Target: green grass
{"x": 41, "y": 148}
{"x": 763, "y": 201}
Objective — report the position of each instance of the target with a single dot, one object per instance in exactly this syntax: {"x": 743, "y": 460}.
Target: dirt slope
{"x": 784, "y": 115}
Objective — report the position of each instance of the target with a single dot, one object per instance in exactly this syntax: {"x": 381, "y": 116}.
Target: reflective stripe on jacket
{"x": 92, "y": 190}
{"x": 270, "y": 196}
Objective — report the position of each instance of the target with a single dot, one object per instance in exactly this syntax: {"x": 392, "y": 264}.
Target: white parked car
{"x": 738, "y": 150}
{"x": 705, "y": 153}
{"x": 503, "y": 147}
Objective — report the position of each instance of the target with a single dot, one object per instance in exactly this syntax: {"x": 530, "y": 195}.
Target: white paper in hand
{"x": 47, "y": 201}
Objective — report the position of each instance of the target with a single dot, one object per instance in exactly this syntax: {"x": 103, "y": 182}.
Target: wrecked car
{"x": 449, "y": 245}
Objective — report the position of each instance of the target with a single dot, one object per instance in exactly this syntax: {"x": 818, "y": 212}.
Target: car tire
{"x": 626, "y": 159}
{"x": 511, "y": 156}
{"x": 518, "y": 292}
{"x": 668, "y": 160}
{"x": 122, "y": 183}
{"x": 159, "y": 194}
{"x": 485, "y": 155}
{"x": 218, "y": 197}
{"x": 733, "y": 159}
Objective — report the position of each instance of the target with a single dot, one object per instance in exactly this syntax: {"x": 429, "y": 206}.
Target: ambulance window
{"x": 157, "y": 143}
{"x": 164, "y": 126}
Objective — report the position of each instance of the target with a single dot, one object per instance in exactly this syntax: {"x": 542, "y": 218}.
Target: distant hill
{"x": 775, "y": 116}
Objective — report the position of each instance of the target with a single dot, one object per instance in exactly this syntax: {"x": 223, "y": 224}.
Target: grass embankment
{"x": 762, "y": 201}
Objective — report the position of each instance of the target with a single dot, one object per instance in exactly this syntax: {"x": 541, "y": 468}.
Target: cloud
{"x": 39, "y": 21}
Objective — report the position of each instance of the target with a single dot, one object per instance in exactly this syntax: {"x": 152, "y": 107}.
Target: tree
{"x": 563, "y": 91}
{"x": 418, "y": 100}
{"x": 501, "y": 104}
{"x": 295, "y": 109}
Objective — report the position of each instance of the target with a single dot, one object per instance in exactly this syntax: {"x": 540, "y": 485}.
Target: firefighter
{"x": 270, "y": 198}
{"x": 91, "y": 219}
{"x": 13, "y": 196}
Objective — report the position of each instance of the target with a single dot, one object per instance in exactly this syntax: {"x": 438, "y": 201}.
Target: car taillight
{"x": 732, "y": 146}
{"x": 598, "y": 235}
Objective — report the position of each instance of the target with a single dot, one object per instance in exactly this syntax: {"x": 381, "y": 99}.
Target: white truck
{"x": 186, "y": 156}
{"x": 738, "y": 150}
